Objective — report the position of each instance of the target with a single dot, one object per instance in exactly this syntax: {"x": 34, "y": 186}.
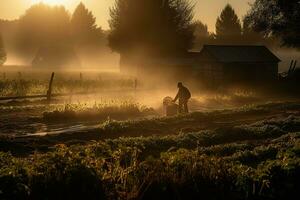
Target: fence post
{"x": 49, "y": 92}
{"x": 81, "y": 79}
{"x": 135, "y": 83}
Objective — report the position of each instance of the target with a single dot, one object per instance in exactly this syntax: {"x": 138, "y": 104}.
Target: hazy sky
{"x": 206, "y": 10}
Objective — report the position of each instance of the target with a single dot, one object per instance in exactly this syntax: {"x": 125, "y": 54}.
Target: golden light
{"x": 50, "y": 2}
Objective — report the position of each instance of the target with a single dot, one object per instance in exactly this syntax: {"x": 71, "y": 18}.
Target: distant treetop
{"x": 201, "y": 34}
{"x": 277, "y": 18}
{"x": 157, "y": 27}
{"x": 228, "y": 26}
{"x": 84, "y": 28}
{"x": 43, "y": 25}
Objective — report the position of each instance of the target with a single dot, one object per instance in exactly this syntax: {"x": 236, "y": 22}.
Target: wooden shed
{"x": 234, "y": 64}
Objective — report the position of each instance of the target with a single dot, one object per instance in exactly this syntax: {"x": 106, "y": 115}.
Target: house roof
{"x": 236, "y": 53}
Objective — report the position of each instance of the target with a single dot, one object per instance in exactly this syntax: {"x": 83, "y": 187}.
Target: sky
{"x": 205, "y": 10}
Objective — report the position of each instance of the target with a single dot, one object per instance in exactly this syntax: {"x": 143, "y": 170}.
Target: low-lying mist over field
{"x": 84, "y": 100}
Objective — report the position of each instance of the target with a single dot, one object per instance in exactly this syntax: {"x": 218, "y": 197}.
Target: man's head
{"x": 179, "y": 85}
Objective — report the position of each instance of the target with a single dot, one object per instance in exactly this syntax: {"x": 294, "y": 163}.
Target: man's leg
{"x": 186, "y": 109}
{"x": 180, "y": 107}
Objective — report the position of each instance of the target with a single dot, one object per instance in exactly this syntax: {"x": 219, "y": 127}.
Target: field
{"x": 116, "y": 144}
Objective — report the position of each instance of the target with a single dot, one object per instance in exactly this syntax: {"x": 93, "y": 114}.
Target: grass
{"x": 247, "y": 153}
{"x": 32, "y": 86}
{"x": 225, "y": 122}
{"x": 255, "y": 161}
{"x": 99, "y": 111}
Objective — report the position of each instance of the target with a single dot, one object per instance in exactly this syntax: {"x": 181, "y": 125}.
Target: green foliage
{"x": 253, "y": 37}
{"x": 113, "y": 170}
{"x": 251, "y": 161}
{"x": 228, "y": 27}
{"x": 13, "y": 178}
{"x": 84, "y": 28}
{"x": 29, "y": 86}
{"x": 155, "y": 27}
{"x": 113, "y": 110}
{"x": 278, "y": 18}
{"x": 201, "y": 34}
{"x": 66, "y": 175}
{"x": 52, "y": 31}
{"x": 43, "y": 25}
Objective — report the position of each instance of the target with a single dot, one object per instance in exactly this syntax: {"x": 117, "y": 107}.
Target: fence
{"x": 49, "y": 95}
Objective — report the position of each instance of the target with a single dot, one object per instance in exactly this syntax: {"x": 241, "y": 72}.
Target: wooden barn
{"x": 214, "y": 65}
{"x": 234, "y": 64}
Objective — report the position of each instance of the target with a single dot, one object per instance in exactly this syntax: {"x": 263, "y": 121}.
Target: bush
{"x": 254, "y": 161}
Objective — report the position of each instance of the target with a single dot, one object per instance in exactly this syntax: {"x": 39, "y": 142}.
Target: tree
{"x": 2, "y": 52}
{"x": 85, "y": 31}
{"x": 250, "y": 36}
{"x": 201, "y": 34}
{"x": 278, "y": 18}
{"x": 43, "y": 25}
{"x": 228, "y": 26}
{"x": 156, "y": 27}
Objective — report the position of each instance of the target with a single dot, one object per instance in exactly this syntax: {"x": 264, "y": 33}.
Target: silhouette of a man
{"x": 183, "y": 96}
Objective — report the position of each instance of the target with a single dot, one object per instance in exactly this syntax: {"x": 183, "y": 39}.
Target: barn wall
{"x": 210, "y": 73}
{"x": 216, "y": 74}
{"x": 250, "y": 72}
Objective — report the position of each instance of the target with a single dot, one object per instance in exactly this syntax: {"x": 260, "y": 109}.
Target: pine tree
{"x": 228, "y": 27}
{"x": 84, "y": 28}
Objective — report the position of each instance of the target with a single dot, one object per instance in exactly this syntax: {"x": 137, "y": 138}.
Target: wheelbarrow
{"x": 170, "y": 107}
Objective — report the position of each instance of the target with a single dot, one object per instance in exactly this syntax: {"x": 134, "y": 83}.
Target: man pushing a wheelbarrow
{"x": 183, "y": 97}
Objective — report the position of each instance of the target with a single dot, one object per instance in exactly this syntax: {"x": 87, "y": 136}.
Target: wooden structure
{"x": 49, "y": 94}
{"x": 293, "y": 74}
{"x": 49, "y": 91}
{"x": 219, "y": 64}
{"x": 214, "y": 65}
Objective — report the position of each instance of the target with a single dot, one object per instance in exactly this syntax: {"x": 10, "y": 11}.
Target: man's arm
{"x": 175, "y": 99}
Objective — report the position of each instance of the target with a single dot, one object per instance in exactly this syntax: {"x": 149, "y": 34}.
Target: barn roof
{"x": 237, "y": 53}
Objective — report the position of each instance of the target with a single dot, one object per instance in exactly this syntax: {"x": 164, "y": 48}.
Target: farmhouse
{"x": 213, "y": 65}
{"x": 227, "y": 64}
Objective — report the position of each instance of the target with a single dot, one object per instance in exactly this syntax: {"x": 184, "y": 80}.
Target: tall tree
{"x": 228, "y": 26}
{"x": 279, "y": 18}
{"x": 85, "y": 31}
{"x": 250, "y": 36}
{"x": 158, "y": 27}
{"x": 43, "y": 25}
{"x": 2, "y": 52}
{"x": 201, "y": 34}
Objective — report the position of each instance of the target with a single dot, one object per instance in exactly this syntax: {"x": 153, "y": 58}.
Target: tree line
{"x": 52, "y": 27}
{"x": 155, "y": 27}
